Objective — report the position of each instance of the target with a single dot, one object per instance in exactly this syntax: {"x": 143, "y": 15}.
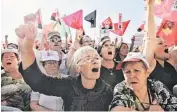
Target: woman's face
{"x": 89, "y": 65}
{"x": 108, "y": 50}
{"x": 135, "y": 74}
{"x": 87, "y": 41}
{"x": 9, "y": 61}
{"x": 124, "y": 50}
{"x": 160, "y": 50}
{"x": 51, "y": 67}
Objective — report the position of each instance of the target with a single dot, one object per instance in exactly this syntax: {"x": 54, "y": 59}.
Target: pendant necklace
{"x": 111, "y": 71}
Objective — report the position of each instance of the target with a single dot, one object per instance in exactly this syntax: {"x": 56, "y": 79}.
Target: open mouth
{"x": 134, "y": 82}
{"x": 9, "y": 63}
{"x": 95, "y": 70}
{"x": 166, "y": 50}
{"x": 110, "y": 53}
{"x": 55, "y": 45}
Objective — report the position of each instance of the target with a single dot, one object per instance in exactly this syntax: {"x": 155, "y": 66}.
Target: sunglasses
{"x": 52, "y": 40}
{"x": 55, "y": 39}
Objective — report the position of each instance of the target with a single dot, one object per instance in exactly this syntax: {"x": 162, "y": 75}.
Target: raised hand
{"x": 28, "y": 31}
{"x": 30, "y": 18}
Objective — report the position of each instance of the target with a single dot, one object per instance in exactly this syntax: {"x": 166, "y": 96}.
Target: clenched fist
{"x": 28, "y": 31}
{"x": 30, "y": 18}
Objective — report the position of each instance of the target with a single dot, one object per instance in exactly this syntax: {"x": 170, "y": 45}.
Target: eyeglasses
{"x": 11, "y": 57}
{"x": 55, "y": 39}
{"x": 90, "y": 59}
{"x": 87, "y": 41}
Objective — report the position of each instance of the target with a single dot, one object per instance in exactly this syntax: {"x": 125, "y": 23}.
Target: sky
{"x": 13, "y": 12}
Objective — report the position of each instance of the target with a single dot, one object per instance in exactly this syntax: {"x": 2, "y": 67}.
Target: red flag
{"x": 166, "y": 9}
{"x": 120, "y": 31}
{"x": 141, "y": 28}
{"x": 74, "y": 20}
{"x": 107, "y": 24}
{"x": 39, "y": 19}
{"x": 53, "y": 16}
{"x": 168, "y": 31}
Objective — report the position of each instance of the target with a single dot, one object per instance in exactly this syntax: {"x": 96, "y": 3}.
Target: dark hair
{"x": 2, "y": 55}
{"x": 101, "y": 45}
{"x": 105, "y": 37}
{"x": 81, "y": 39}
{"x": 117, "y": 56}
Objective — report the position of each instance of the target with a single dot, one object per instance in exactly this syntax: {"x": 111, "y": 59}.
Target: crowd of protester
{"x": 86, "y": 76}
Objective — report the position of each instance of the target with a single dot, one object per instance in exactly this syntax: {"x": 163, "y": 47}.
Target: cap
{"x": 133, "y": 57}
{"x": 53, "y": 33}
{"x": 49, "y": 55}
{"x": 9, "y": 50}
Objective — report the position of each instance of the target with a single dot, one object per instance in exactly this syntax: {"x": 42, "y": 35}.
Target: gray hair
{"x": 78, "y": 56}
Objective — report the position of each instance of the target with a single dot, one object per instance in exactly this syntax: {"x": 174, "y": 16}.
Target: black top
{"x": 74, "y": 95}
{"x": 111, "y": 79}
{"x": 167, "y": 75}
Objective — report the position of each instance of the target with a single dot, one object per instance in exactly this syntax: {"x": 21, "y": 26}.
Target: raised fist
{"x": 28, "y": 31}
{"x": 30, "y": 18}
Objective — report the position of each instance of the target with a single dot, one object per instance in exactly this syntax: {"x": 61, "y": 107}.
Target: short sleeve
{"x": 35, "y": 96}
{"x": 165, "y": 98}
{"x": 121, "y": 96}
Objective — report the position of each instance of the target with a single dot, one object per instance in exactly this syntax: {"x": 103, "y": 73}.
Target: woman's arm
{"x": 150, "y": 33}
{"x": 71, "y": 52}
{"x": 36, "y": 107}
{"x": 34, "y": 104}
{"x": 30, "y": 70}
{"x": 121, "y": 108}
{"x": 44, "y": 84}
{"x": 74, "y": 47}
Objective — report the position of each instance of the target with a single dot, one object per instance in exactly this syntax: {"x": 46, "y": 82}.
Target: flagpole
{"x": 63, "y": 29}
{"x": 100, "y": 33}
{"x": 120, "y": 24}
{"x": 66, "y": 34}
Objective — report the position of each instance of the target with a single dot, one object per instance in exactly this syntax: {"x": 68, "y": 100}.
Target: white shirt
{"x": 51, "y": 102}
